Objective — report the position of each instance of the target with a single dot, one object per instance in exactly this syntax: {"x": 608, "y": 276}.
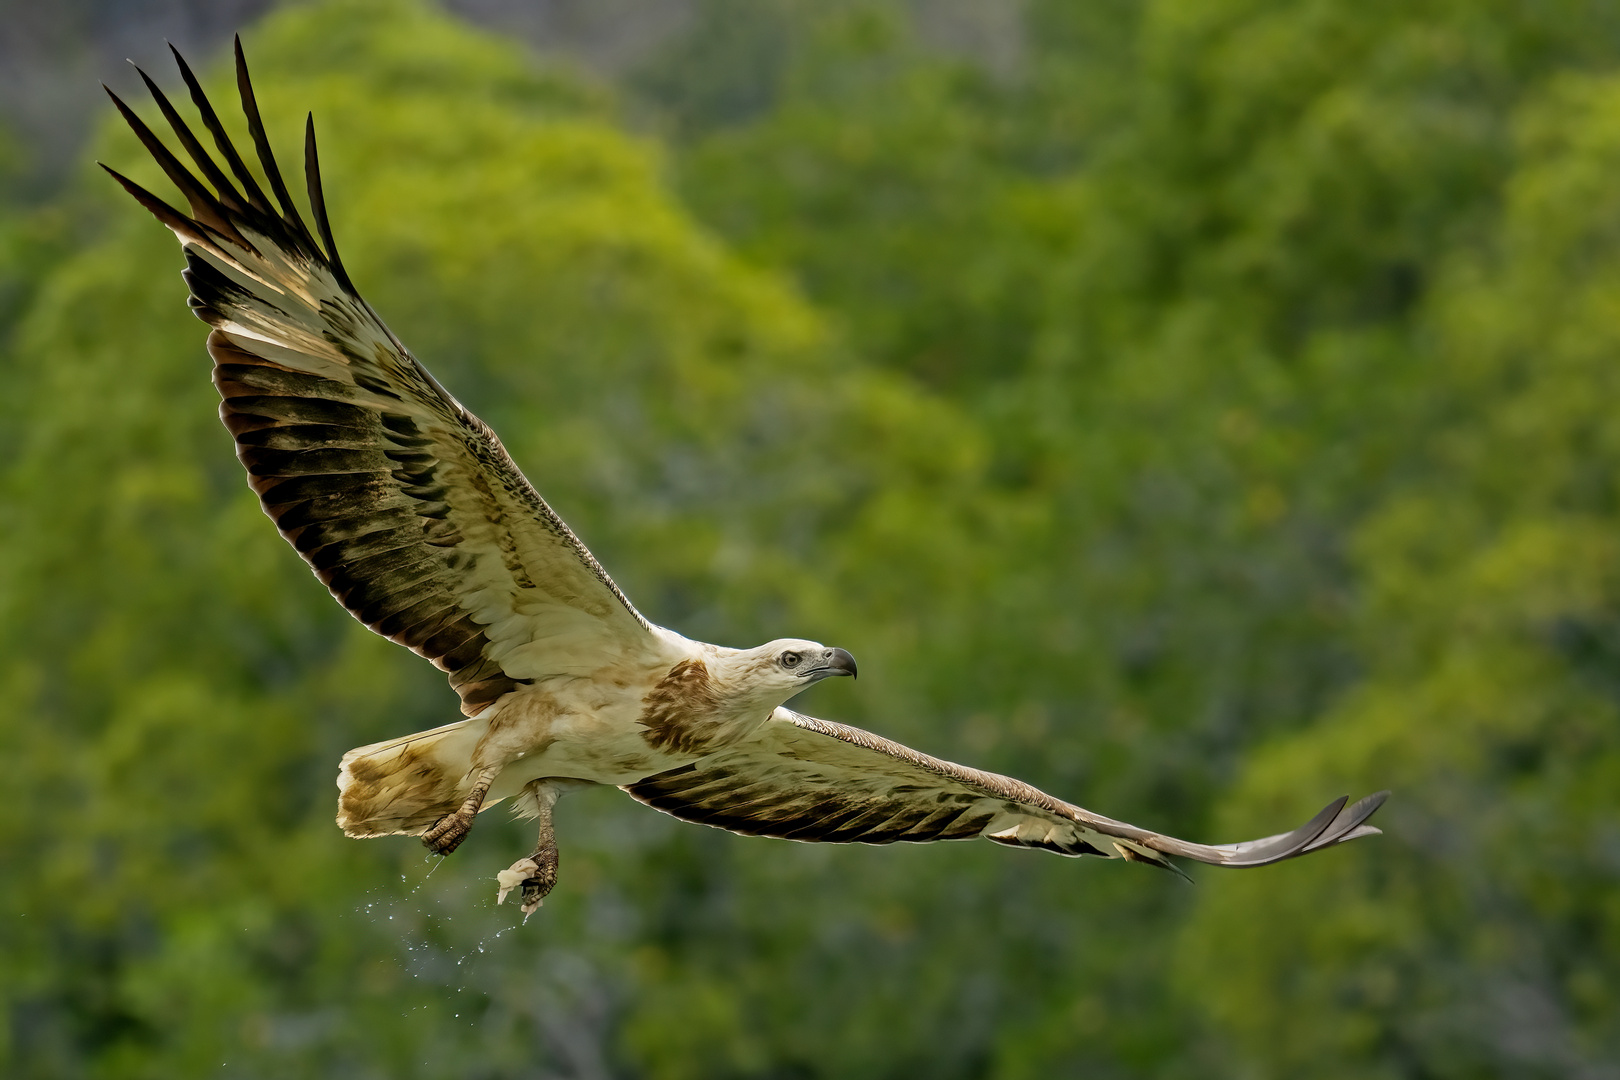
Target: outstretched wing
{"x": 800, "y": 778}
{"x": 404, "y": 503}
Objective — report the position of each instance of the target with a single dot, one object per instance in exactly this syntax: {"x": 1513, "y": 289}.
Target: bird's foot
{"x": 448, "y": 832}
{"x": 535, "y": 875}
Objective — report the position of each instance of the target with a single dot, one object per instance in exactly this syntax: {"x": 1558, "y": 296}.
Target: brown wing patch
{"x": 679, "y": 713}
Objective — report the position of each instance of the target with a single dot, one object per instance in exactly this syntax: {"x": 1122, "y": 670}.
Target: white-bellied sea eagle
{"x": 410, "y": 511}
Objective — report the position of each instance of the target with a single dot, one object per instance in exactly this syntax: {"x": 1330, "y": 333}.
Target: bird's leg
{"x": 449, "y": 831}
{"x": 537, "y": 874}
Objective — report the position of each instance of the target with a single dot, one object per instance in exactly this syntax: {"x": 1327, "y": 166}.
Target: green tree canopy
{"x": 1206, "y": 416}
{"x": 1481, "y": 941}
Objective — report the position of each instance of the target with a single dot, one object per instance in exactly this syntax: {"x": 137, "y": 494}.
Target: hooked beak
{"x": 835, "y": 662}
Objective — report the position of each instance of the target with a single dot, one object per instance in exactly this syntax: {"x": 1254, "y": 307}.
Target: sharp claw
{"x": 447, "y": 834}
{"x": 531, "y": 875}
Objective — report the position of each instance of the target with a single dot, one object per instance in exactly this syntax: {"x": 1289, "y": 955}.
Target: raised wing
{"x": 404, "y": 503}
{"x": 799, "y": 778}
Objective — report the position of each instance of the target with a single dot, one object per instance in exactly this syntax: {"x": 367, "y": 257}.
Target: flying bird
{"x": 409, "y": 510}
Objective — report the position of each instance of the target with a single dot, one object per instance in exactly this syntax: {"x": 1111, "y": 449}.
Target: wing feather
{"x": 404, "y": 504}
{"x": 800, "y": 778}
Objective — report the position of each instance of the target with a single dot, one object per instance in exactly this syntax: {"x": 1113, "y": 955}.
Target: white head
{"x": 772, "y": 673}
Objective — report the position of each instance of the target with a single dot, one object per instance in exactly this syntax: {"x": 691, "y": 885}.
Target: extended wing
{"x": 404, "y": 503}
{"x": 800, "y": 778}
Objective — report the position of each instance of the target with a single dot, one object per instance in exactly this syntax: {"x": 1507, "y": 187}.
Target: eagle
{"x": 413, "y": 515}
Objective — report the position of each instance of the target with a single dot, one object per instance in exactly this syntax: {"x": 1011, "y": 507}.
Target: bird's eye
{"x": 791, "y": 659}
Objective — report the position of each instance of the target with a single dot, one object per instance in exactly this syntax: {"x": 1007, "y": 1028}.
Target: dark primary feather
{"x": 405, "y": 504}
{"x": 244, "y": 175}
{"x": 800, "y": 778}
{"x": 261, "y": 143}
{"x": 317, "y": 203}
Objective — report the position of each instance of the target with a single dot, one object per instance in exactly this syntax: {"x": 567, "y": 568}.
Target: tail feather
{"x": 404, "y": 785}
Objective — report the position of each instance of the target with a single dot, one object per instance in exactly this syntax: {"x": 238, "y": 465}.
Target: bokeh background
{"x": 1200, "y": 408}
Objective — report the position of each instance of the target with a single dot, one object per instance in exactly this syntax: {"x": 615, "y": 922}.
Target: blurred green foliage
{"x": 1212, "y": 415}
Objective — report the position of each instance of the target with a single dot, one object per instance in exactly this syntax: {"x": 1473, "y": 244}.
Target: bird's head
{"x": 774, "y": 672}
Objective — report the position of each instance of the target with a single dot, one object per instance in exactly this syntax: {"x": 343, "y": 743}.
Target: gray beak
{"x": 837, "y": 662}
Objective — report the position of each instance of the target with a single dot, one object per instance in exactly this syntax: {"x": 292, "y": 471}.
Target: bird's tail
{"x": 404, "y": 785}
